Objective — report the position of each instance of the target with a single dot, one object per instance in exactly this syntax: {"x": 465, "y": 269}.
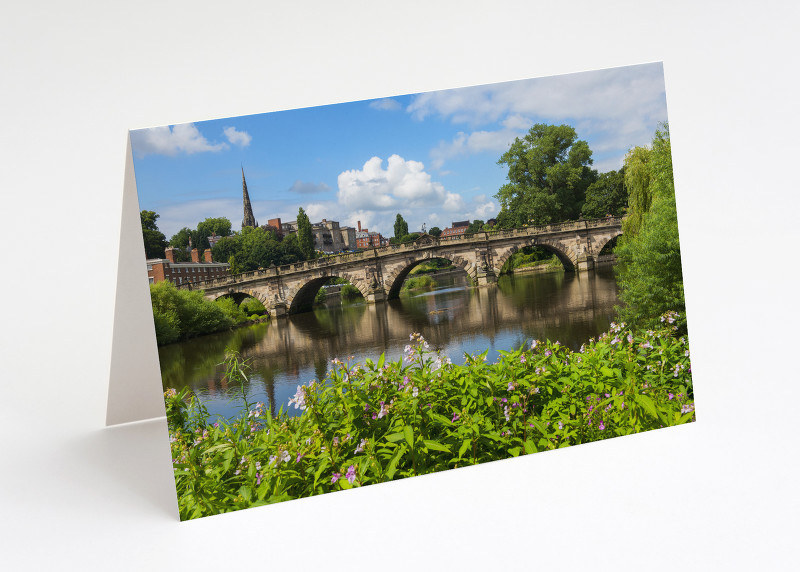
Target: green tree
{"x": 548, "y": 173}
{"x": 649, "y": 272}
{"x": 638, "y": 174}
{"x": 607, "y": 195}
{"x": 435, "y": 231}
{"x": 219, "y": 225}
{"x": 305, "y": 237}
{"x": 475, "y": 226}
{"x": 400, "y": 227}
{"x": 154, "y": 240}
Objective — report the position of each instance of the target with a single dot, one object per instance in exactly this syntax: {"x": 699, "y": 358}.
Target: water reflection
{"x": 455, "y": 318}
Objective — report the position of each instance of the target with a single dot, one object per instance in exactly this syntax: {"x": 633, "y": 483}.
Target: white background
{"x": 720, "y": 494}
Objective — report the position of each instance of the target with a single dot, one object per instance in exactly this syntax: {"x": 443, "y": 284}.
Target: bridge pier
{"x": 277, "y": 310}
{"x": 485, "y": 278}
{"x": 376, "y": 295}
{"x": 585, "y": 262}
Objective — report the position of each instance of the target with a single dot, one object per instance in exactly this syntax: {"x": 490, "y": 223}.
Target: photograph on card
{"x": 356, "y": 293}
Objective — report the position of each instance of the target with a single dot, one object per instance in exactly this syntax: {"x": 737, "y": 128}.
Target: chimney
{"x": 195, "y": 255}
{"x": 359, "y": 226}
{"x": 169, "y": 252}
{"x": 207, "y": 255}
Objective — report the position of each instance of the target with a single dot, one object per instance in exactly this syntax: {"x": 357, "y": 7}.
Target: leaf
{"x": 514, "y": 451}
{"x": 464, "y": 446}
{"x": 646, "y": 403}
{"x": 246, "y": 493}
{"x": 435, "y": 446}
{"x": 395, "y": 437}
{"x": 408, "y": 433}
{"x": 381, "y": 360}
{"x": 392, "y": 468}
{"x": 530, "y": 448}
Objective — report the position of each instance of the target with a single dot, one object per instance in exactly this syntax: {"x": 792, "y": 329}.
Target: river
{"x": 454, "y": 317}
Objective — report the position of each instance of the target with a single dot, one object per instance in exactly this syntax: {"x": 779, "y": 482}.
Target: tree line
{"x": 246, "y": 250}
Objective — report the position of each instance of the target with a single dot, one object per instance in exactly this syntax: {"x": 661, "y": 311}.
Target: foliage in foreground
{"x": 375, "y": 422}
{"x": 183, "y": 314}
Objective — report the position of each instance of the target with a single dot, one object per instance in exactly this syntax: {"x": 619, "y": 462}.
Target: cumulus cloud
{"x": 240, "y": 138}
{"x": 403, "y": 183}
{"x": 386, "y": 104}
{"x": 613, "y": 109}
{"x": 184, "y": 138}
{"x": 306, "y": 188}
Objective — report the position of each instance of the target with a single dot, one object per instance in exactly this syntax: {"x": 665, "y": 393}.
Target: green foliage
{"x": 607, "y": 195}
{"x": 154, "y": 240}
{"x": 231, "y": 309}
{"x": 531, "y": 256}
{"x": 305, "y": 238}
{"x": 377, "y": 421}
{"x": 410, "y": 237}
{"x": 648, "y": 267}
{"x": 252, "y": 306}
{"x": 185, "y": 311}
{"x": 400, "y": 227}
{"x": 421, "y": 282}
{"x": 198, "y": 238}
{"x": 255, "y": 248}
{"x": 548, "y": 173}
{"x": 431, "y": 265}
{"x": 475, "y": 226}
{"x": 435, "y": 231}
{"x": 349, "y": 292}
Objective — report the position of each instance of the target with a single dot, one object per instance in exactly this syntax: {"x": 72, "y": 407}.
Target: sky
{"x": 431, "y": 157}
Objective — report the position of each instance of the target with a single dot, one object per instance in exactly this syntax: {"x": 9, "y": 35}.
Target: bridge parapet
{"x": 570, "y": 240}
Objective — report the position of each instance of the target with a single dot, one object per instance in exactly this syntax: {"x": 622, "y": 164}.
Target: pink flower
{"x": 335, "y": 477}
{"x": 601, "y": 426}
{"x": 351, "y": 474}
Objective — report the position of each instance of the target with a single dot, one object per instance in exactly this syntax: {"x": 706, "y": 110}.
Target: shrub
{"x": 377, "y": 421}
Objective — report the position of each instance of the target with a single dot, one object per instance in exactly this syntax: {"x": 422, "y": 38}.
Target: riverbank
{"x": 377, "y": 421}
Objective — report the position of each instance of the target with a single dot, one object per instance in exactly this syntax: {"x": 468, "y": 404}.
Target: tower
{"x": 249, "y": 219}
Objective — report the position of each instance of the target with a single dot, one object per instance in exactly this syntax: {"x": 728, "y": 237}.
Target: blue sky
{"x": 431, "y": 157}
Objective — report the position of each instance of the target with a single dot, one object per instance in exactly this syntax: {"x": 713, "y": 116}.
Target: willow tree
{"x": 649, "y": 271}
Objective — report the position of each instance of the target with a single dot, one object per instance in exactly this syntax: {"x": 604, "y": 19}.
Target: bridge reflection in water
{"x": 569, "y": 307}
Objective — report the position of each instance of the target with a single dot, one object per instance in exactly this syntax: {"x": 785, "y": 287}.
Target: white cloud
{"x": 472, "y": 143}
{"x": 402, "y": 184}
{"x": 240, "y": 138}
{"x": 184, "y": 138}
{"x": 386, "y": 104}
{"x": 304, "y": 187}
{"x": 613, "y": 109}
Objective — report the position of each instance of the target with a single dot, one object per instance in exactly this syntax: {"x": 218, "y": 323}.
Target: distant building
{"x": 160, "y": 269}
{"x": 274, "y": 224}
{"x": 329, "y": 237}
{"x": 367, "y": 239}
{"x": 457, "y": 229}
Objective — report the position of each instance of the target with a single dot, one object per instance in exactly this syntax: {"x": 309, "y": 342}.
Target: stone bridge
{"x": 379, "y": 273}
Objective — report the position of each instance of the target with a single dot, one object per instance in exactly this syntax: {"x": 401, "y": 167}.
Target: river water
{"x": 454, "y": 317}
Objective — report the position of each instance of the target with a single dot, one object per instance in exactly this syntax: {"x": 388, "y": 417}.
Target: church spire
{"x": 249, "y": 219}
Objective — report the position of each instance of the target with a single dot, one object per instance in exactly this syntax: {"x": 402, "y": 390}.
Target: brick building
{"x": 457, "y": 229}
{"x": 367, "y": 239}
{"x": 160, "y": 269}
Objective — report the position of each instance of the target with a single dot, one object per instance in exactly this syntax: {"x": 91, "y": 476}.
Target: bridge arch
{"x": 395, "y": 278}
{"x": 239, "y": 295}
{"x": 600, "y": 241}
{"x": 302, "y": 299}
{"x": 566, "y": 256}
